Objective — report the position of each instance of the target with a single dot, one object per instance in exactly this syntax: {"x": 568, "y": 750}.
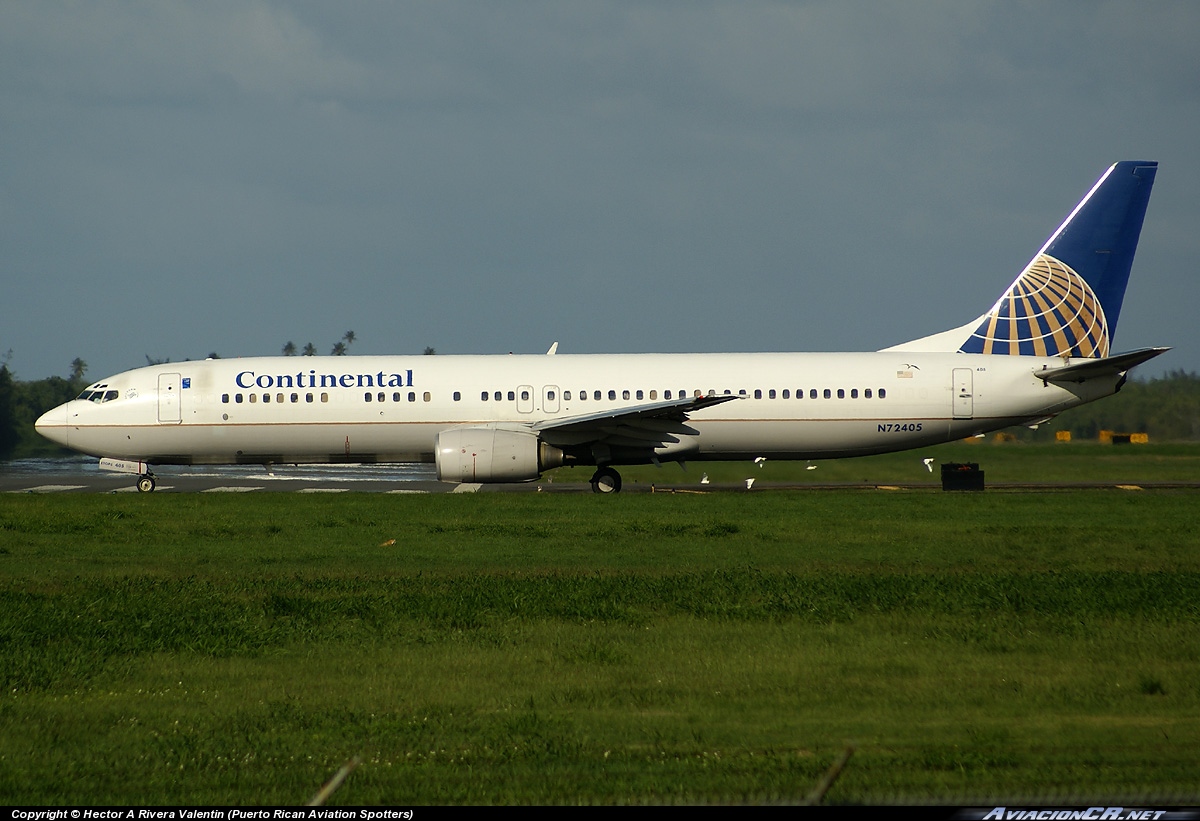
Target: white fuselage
{"x": 391, "y": 408}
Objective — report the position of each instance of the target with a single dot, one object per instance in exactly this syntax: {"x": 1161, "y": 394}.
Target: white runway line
{"x": 230, "y": 489}
{"x": 48, "y": 489}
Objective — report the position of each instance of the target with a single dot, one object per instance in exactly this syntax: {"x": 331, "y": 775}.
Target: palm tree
{"x": 289, "y": 348}
{"x": 348, "y": 338}
{"x": 430, "y": 351}
{"x": 78, "y": 369}
{"x": 310, "y": 349}
{"x": 339, "y": 349}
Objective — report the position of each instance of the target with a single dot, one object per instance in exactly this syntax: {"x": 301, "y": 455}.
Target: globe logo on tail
{"x": 1049, "y": 311}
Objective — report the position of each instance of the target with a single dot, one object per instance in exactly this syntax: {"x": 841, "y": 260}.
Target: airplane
{"x": 1042, "y": 348}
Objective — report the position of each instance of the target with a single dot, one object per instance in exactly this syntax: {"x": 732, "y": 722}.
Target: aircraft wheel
{"x": 145, "y": 484}
{"x": 606, "y": 480}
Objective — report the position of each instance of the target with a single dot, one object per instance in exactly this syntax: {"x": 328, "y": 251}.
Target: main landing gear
{"x": 145, "y": 483}
{"x": 606, "y": 480}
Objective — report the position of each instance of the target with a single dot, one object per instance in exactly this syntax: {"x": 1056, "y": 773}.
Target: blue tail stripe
{"x": 1100, "y": 240}
{"x": 1068, "y": 299}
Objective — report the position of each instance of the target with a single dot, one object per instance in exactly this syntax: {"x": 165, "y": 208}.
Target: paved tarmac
{"x": 84, "y": 476}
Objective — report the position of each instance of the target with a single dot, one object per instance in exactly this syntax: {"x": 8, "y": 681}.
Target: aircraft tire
{"x": 145, "y": 484}
{"x": 606, "y": 480}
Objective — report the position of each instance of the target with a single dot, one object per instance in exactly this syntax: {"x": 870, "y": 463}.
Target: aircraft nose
{"x": 53, "y": 425}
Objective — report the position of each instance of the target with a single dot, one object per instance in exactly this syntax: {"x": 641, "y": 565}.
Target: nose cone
{"x": 53, "y": 425}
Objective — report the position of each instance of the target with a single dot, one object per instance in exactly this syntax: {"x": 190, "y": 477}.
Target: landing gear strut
{"x": 145, "y": 483}
{"x": 606, "y": 480}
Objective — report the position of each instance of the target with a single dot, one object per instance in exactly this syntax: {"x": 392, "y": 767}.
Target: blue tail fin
{"x": 1068, "y": 299}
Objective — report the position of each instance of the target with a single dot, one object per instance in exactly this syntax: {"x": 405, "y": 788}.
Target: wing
{"x": 644, "y": 427}
{"x": 1099, "y": 368}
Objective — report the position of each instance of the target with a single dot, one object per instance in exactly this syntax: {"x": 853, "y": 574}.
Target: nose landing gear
{"x": 145, "y": 483}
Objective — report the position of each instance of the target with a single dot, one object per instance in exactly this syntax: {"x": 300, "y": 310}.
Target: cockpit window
{"x": 98, "y": 394}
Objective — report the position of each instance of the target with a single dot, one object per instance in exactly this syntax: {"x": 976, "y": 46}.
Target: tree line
{"x": 1167, "y": 408}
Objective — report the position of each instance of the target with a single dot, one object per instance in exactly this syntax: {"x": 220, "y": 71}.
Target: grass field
{"x": 545, "y": 648}
{"x": 1007, "y": 463}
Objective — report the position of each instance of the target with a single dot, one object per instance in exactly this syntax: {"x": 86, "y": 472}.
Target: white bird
{"x": 759, "y": 460}
{"x": 704, "y": 479}
{"x": 810, "y": 466}
{"x": 749, "y": 484}
{"x": 928, "y": 464}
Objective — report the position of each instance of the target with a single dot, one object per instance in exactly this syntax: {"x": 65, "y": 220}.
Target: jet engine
{"x": 491, "y": 454}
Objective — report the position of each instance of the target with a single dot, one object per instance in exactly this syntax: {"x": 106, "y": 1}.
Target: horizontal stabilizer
{"x": 1099, "y": 368}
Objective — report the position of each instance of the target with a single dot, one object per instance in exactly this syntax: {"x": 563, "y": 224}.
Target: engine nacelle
{"x": 491, "y": 454}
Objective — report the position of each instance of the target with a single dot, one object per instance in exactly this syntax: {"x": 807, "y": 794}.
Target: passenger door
{"x": 169, "y": 412}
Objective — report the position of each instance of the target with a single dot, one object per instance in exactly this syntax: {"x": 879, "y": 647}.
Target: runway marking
{"x": 467, "y": 487}
{"x": 323, "y": 490}
{"x": 407, "y": 491}
{"x": 49, "y": 489}
{"x": 230, "y": 489}
{"x": 132, "y": 489}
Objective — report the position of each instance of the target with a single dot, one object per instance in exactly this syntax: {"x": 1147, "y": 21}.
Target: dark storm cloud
{"x": 185, "y": 178}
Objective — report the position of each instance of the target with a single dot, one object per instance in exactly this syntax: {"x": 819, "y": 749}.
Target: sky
{"x": 186, "y": 178}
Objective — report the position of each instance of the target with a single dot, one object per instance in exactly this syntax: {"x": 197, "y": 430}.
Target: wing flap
{"x": 649, "y": 426}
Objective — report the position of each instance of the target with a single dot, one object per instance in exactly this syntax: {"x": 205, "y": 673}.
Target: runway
{"x": 82, "y": 475}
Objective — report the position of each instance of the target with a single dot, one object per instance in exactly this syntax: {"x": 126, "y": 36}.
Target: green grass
{"x": 1008, "y": 462}
{"x": 545, "y": 648}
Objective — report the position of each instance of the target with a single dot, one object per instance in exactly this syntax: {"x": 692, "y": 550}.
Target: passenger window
{"x": 308, "y": 397}
{"x": 524, "y": 396}
{"x": 412, "y": 396}
{"x": 828, "y": 394}
{"x": 812, "y": 394}
{"x": 457, "y": 396}
{"x": 511, "y": 396}
{"x": 499, "y": 396}
{"x": 238, "y": 399}
{"x": 882, "y": 393}
{"x": 367, "y": 397}
{"x": 695, "y": 393}
{"x": 484, "y": 396}
{"x": 596, "y": 395}
{"x": 426, "y": 396}
{"x": 279, "y": 398}
{"x": 854, "y": 393}
{"x": 550, "y": 395}
{"x": 324, "y": 397}
{"x": 583, "y": 396}
{"x": 654, "y": 395}
{"x": 639, "y": 394}
{"x": 770, "y": 394}
{"x": 225, "y": 398}
{"x": 253, "y": 398}
{"x": 396, "y": 396}
{"x": 295, "y": 397}
{"x": 788, "y": 394}
{"x": 266, "y": 398}
{"x": 612, "y": 396}
{"x": 566, "y": 396}
{"x": 841, "y": 393}
{"x": 624, "y": 394}
{"x": 867, "y": 393}
{"x": 666, "y": 394}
